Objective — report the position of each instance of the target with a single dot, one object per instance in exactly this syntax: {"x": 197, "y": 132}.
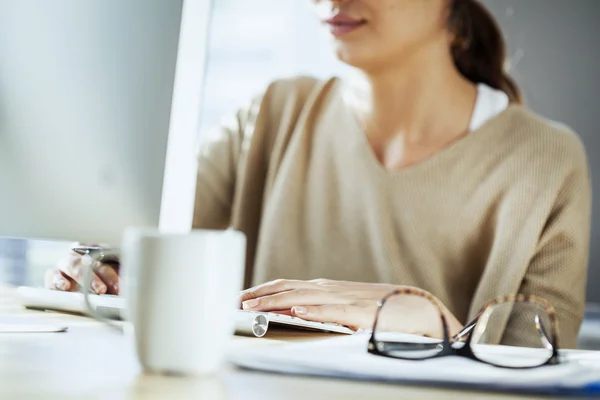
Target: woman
{"x": 423, "y": 172}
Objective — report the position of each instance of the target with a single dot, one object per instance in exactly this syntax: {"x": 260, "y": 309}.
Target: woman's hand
{"x": 68, "y": 276}
{"x": 351, "y": 304}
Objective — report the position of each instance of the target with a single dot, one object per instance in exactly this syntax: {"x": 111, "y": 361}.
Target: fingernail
{"x": 250, "y": 303}
{"x": 99, "y": 287}
{"x": 62, "y": 284}
{"x": 116, "y": 288}
{"x": 299, "y": 310}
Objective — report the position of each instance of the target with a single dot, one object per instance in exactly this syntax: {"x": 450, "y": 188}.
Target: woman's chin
{"x": 354, "y": 55}
{"x": 352, "y": 58}
{"x": 359, "y": 63}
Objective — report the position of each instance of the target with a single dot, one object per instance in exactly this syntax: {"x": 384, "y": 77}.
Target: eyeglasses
{"x": 511, "y": 332}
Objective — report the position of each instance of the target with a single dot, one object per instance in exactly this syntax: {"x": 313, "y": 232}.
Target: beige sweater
{"x": 504, "y": 210}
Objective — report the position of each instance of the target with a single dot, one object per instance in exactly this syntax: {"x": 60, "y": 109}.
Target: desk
{"x": 91, "y": 361}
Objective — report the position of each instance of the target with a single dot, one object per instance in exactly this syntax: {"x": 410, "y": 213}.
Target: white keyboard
{"x": 110, "y": 306}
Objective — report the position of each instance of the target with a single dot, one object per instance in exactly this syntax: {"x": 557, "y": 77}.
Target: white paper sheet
{"x": 347, "y": 357}
{"x": 28, "y": 325}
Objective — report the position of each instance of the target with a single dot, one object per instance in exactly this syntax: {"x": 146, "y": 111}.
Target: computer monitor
{"x": 86, "y": 116}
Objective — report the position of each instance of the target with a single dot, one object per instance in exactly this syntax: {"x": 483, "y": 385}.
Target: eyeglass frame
{"x": 466, "y": 332}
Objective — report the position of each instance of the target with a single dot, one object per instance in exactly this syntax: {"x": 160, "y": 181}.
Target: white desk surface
{"x": 91, "y": 361}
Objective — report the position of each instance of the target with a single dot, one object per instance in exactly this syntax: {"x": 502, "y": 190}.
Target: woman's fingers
{"x": 70, "y": 275}
{"x": 286, "y": 300}
{"x": 273, "y": 287}
{"x": 98, "y": 286}
{"x": 59, "y": 280}
{"x": 351, "y": 316}
{"x": 71, "y": 267}
{"x": 109, "y": 276}
{"x": 56, "y": 280}
{"x": 324, "y": 313}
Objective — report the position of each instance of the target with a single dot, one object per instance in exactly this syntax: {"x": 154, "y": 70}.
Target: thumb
{"x": 341, "y": 314}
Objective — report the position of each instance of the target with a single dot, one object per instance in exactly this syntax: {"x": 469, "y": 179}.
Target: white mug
{"x": 181, "y": 294}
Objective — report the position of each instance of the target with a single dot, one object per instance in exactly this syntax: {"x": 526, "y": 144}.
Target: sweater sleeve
{"x": 558, "y": 270}
{"x": 218, "y": 159}
{"x": 232, "y": 163}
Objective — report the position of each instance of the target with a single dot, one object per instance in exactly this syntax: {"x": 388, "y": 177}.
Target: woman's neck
{"x": 425, "y": 100}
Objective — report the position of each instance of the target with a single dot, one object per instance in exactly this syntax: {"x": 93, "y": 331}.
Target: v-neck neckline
{"x": 438, "y": 157}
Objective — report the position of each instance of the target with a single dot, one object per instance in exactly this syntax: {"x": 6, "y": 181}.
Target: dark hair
{"x": 479, "y": 48}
